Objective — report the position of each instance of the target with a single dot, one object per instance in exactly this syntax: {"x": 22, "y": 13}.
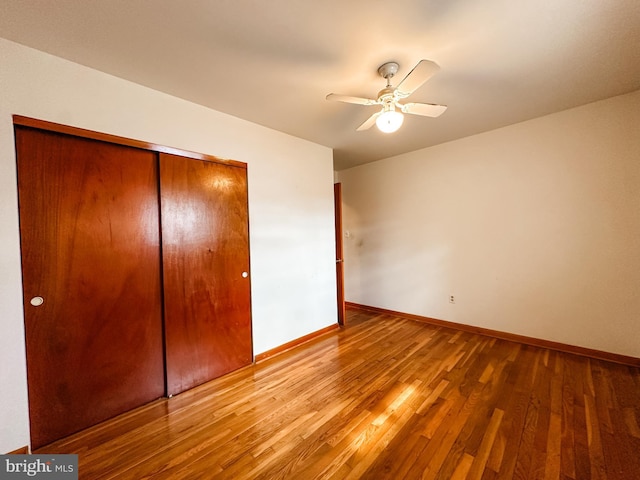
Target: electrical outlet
{"x": 452, "y": 299}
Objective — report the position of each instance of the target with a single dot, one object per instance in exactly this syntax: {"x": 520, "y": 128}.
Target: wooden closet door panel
{"x": 89, "y": 225}
{"x": 205, "y": 250}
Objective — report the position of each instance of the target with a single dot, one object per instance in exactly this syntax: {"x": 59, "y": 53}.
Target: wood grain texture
{"x": 117, "y": 140}
{"x": 205, "y": 251}
{"x": 384, "y": 398}
{"x": 89, "y": 229}
{"x": 538, "y": 342}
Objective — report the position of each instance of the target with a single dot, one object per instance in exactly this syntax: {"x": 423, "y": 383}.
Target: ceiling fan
{"x": 390, "y": 118}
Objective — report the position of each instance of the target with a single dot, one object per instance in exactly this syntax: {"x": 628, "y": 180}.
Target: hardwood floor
{"x": 384, "y": 398}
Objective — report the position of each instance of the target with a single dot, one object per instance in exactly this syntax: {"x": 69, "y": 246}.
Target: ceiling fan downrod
{"x": 387, "y": 71}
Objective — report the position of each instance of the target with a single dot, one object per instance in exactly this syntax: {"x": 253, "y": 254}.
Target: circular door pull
{"x": 245, "y": 274}
{"x": 36, "y": 301}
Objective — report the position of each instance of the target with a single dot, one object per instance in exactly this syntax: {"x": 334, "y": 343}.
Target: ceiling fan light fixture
{"x": 389, "y": 121}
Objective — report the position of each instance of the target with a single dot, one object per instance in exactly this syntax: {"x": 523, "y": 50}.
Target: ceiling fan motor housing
{"x": 386, "y": 95}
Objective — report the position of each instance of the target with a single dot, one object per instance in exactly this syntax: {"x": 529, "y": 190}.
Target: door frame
{"x": 337, "y": 203}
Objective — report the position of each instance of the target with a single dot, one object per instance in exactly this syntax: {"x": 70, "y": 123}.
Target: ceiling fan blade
{"x": 349, "y": 99}
{"x": 369, "y": 122}
{"x": 422, "y": 72}
{"x": 424, "y": 109}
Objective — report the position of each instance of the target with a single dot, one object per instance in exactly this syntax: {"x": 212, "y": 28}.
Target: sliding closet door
{"x": 89, "y": 226}
{"x": 205, "y": 250}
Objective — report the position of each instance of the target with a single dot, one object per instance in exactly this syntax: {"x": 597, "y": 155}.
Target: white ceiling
{"x": 273, "y": 62}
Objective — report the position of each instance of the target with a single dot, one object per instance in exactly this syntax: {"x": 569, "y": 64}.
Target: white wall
{"x": 290, "y": 201}
{"x": 534, "y": 228}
